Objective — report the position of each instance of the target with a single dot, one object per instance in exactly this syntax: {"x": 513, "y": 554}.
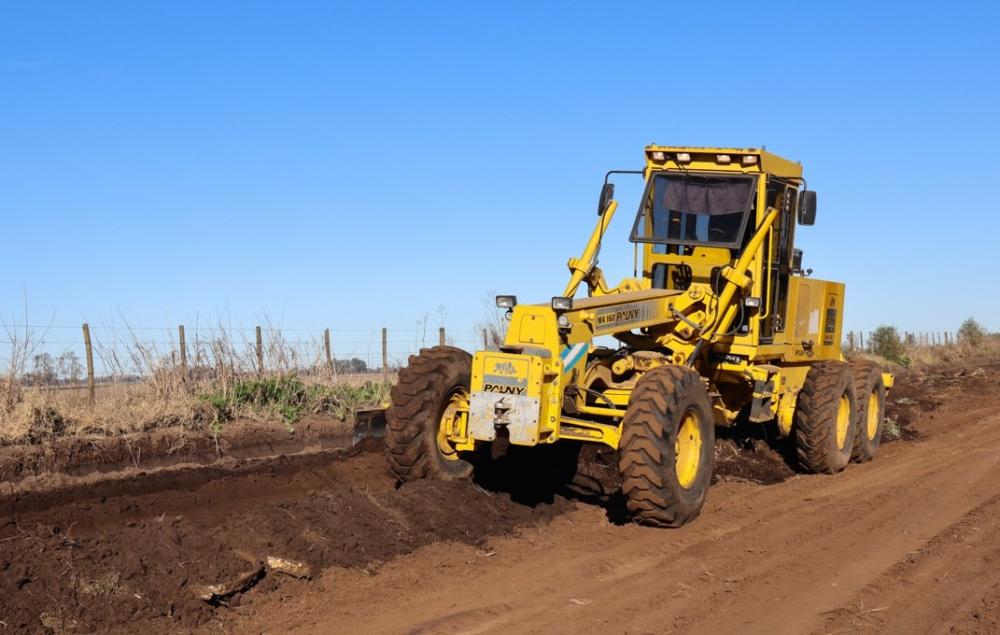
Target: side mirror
{"x": 607, "y": 193}
{"x": 796, "y": 261}
{"x": 807, "y": 208}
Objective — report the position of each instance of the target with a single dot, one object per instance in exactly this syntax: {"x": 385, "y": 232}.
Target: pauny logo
{"x": 504, "y": 368}
{"x": 623, "y": 315}
{"x": 504, "y": 390}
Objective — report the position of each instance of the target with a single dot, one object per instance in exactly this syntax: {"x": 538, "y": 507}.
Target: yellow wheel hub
{"x": 843, "y": 420}
{"x": 452, "y": 420}
{"x": 687, "y": 450}
{"x": 873, "y": 415}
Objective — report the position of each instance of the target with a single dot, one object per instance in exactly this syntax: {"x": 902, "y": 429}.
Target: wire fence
{"x": 860, "y": 341}
{"x": 59, "y": 354}
{"x": 56, "y": 354}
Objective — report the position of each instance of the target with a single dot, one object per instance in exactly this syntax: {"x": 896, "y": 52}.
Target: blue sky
{"x": 358, "y": 165}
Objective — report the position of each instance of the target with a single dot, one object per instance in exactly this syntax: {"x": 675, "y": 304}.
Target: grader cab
{"x": 719, "y": 324}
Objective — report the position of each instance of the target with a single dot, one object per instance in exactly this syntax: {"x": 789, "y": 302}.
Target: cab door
{"x": 778, "y": 260}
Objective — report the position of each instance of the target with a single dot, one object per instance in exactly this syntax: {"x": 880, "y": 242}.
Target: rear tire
{"x": 425, "y": 390}
{"x": 667, "y": 450}
{"x": 870, "y": 391}
{"x": 825, "y": 418}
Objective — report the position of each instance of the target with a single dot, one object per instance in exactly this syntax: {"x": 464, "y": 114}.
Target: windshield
{"x": 683, "y": 208}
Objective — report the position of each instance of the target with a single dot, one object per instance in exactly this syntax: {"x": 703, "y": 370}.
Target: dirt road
{"x": 908, "y": 543}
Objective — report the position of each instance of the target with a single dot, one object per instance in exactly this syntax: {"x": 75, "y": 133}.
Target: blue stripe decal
{"x": 571, "y": 355}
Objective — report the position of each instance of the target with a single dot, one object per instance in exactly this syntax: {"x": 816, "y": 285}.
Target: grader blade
{"x": 369, "y": 424}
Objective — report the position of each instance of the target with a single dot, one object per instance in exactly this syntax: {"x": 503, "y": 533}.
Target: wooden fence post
{"x": 90, "y": 363}
{"x": 850, "y": 341}
{"x": 326, "y": 349}
{"x": 861, "y": 337}
{"x": 260, "y": 353}
{"x": 184, "y": 357}
{"x": 385, "y": 354}
{"x": 441, "y": 336}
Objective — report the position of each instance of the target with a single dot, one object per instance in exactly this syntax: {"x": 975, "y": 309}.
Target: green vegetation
{"x": 972, "y": 333}
{"x": 885, "y": 342}
{"x": 290, "y": 399}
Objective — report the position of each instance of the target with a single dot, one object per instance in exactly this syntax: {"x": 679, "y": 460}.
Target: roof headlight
{"x": 506, "y": 301}
{"x": 561, "y": 304}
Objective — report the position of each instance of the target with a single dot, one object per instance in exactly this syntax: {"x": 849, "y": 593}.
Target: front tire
{"x": 667, "y": 450}
{"x": 825, "y": 421}
{"x": 430, "y": 391}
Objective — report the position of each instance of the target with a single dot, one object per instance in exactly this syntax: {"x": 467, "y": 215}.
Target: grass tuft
{"x": 287, "y": 397}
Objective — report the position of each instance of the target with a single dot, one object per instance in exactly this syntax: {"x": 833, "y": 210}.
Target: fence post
{"x": 385, "y": 354}
{"x": 326, "y": 349}
{"x": 441, "y": 336}
{"x": 90, "y": 363}
{"x": 485, "y": 341}
{"x": 850, "y": 341}
{"x": 260, "y": 353}
{"x": 184, "y": 357}
{"x": 861, "y": 337}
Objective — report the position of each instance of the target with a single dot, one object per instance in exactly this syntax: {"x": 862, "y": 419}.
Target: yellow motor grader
{"x": 720, "y": 324}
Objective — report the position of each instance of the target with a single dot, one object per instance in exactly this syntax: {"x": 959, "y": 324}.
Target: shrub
{"x": 971, "y": 333}
{"x": 288, "y": 397}
{"x": 885, "y": 342}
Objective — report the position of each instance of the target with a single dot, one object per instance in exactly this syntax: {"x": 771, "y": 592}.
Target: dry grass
{"x": 920, "y": 358}
{"x": 144, "y": 387}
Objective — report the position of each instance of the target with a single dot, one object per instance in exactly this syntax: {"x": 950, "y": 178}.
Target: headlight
{"x": 563, "y": 321}
{"x": 560, "y": 304}
{"x": 752, "y": 302}
{"x": 506, "y": 301}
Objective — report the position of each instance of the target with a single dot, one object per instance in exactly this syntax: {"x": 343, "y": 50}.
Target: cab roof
{"x": 745, "y": 160}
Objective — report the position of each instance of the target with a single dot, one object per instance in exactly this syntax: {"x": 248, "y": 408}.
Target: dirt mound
{"x": 750, "y": 460}
{"x": 106, "y": 562}
{"x": 83, "y": 454}
{"x": 917, "y": 396}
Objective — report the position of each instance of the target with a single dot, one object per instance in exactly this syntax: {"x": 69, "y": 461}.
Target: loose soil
{"x": 78, "y": 455}
{"x": 908, "y": 542}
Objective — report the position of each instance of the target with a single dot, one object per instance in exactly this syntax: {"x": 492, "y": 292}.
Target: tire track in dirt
{"x": 957, "y": 568}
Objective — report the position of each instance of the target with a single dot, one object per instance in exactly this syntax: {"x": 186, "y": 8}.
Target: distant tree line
{"x": 49, "y": 370}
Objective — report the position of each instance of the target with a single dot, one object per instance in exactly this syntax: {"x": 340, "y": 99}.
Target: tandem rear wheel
{"x": 870, "y": 390}
{"x": 825, "y": 424}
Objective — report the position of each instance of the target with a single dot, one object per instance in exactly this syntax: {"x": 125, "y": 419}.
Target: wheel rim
{"x": 873, "y": 415}
{"x": 843, "y": 420}
{"x": 687, "y": 448}
{"x": 456, "y": 407}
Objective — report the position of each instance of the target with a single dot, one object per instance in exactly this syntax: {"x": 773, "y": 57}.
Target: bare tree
{"x": 493, "y": 323}
{"x": 69, "y": 366}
